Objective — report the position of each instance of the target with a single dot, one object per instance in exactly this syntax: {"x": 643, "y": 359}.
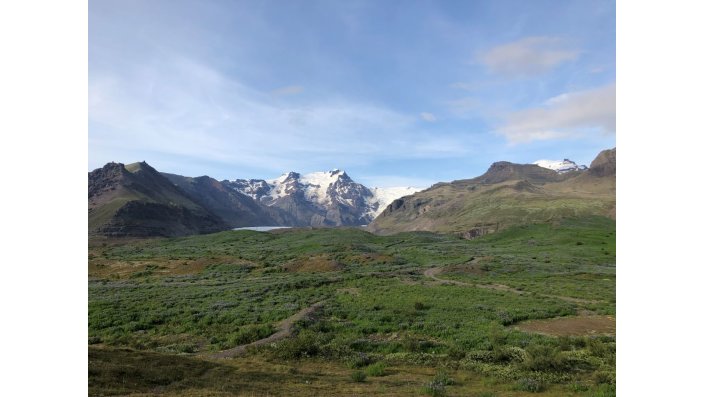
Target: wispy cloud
{"x": 288, "y": 90}
{"x": 528, "y": 57}
{"x": 427, "y": 117}
{"x": 567, "y": 115}
{"x": 181, "y": 107}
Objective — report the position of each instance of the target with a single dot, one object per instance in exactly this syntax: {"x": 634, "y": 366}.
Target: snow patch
{"x": 560, "y": 166}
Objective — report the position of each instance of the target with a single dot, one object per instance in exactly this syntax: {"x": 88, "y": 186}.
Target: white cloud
{"x": 288, "y": 90}
{"x": 179, "y": 107}
{"x": 528, "y": 56}
{"x": 428, "y": 117}
{"x": 564, "y": 116}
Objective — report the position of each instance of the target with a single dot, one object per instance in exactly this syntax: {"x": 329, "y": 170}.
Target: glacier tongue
{"x": 383, "y": 196}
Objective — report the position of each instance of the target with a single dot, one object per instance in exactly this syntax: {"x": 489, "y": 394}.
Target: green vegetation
{"x": 382, "y": 318}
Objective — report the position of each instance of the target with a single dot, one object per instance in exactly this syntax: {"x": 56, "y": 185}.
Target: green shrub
{"x": 94, "y": 339}
{"x": 434, "y": 389}
{"x": 579, "y": 386}
{"x": 358, "y": 376}
{"x": 376, "y": 369}
{"x": 303, "y": 345}
{"x": 358, "y": 360}
{"x": 443, "y": 378}
{"x": 604, "y": 391}
{"x": 530, "y": 385}
{"x": 456, "y": 353}
{"x": 545, "y": 358}
{"x": 604, "y": 378}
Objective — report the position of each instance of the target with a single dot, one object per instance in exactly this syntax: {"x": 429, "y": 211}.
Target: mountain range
{"x": 137, "y": 200}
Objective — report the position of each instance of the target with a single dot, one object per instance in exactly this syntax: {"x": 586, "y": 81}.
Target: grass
{"x": 177, "y": 299}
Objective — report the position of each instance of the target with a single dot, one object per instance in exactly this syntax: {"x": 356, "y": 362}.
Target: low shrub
{"x": 456, "y": 353}
{"x": 302, "y": 346}
{"x": 443, "y": 378}
{"x": 434, "y": 389}
{"x": 604, "y": 378}
{"x": 545, "y": 358}
{"x": 358, "y": 360}
{"x": 530, "y": 385}
{"x": 358, "y": 376}
{"x": 376, "y": 369}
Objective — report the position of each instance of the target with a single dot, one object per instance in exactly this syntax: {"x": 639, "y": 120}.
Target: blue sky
{"x": 394, "y": 92}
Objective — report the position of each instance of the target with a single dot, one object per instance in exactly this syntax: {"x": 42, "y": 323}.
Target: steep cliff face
{"x": 605, "y": 164}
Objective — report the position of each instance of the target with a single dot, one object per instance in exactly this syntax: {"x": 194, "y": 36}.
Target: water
{"x": 262, "y": 228}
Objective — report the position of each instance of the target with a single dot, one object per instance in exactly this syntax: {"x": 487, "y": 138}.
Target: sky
{"x": 397, "y": 93}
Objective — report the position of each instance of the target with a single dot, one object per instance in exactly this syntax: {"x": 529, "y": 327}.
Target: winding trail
{"x": 434, "y": 271}
{"x": 285, "y": 331}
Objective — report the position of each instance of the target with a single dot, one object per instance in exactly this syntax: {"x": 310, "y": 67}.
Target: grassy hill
{"x": 506, "y": 195}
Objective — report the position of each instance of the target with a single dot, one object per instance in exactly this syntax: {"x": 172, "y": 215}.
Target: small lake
{"x": 262, "y": 228}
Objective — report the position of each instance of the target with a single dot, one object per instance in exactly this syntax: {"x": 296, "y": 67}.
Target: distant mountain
{"x": 136, "y": 200}
{"x": 235, "y": 208}
{"x": 507, "y": 194}
{"x": 329, "y": 198}
{"x": 560, "y": 166}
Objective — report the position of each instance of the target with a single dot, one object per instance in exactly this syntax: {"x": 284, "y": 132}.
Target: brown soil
{"x": 101, "y": 267}
{"x": 319, "y": 263}
{"x": 571, "y": 326}
{"x": 285, "y": 330}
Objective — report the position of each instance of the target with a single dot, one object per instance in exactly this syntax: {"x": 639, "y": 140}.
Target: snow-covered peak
{"x": 560, "y": 166}
{"x": 326, "y": 191}
{"x": 316, "y": 184}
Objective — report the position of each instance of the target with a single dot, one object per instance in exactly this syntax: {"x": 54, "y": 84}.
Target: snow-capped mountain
{"x": 560, "y": 166}
{"x": 328, "y": 198}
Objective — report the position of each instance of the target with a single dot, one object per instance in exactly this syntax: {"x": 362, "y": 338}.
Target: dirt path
{"x": 285, "y": 330}
{"x": 434, "y": 271}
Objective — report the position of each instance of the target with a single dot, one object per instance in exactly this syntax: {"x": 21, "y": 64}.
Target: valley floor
{"x": 345, "y": 312}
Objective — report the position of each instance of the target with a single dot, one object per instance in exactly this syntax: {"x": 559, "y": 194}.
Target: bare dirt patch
{"x": 475, "y": 266}
{"x": 101, "y": 267}
{"x": 571, "y": 326}
{"x": 318, "y": 263}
